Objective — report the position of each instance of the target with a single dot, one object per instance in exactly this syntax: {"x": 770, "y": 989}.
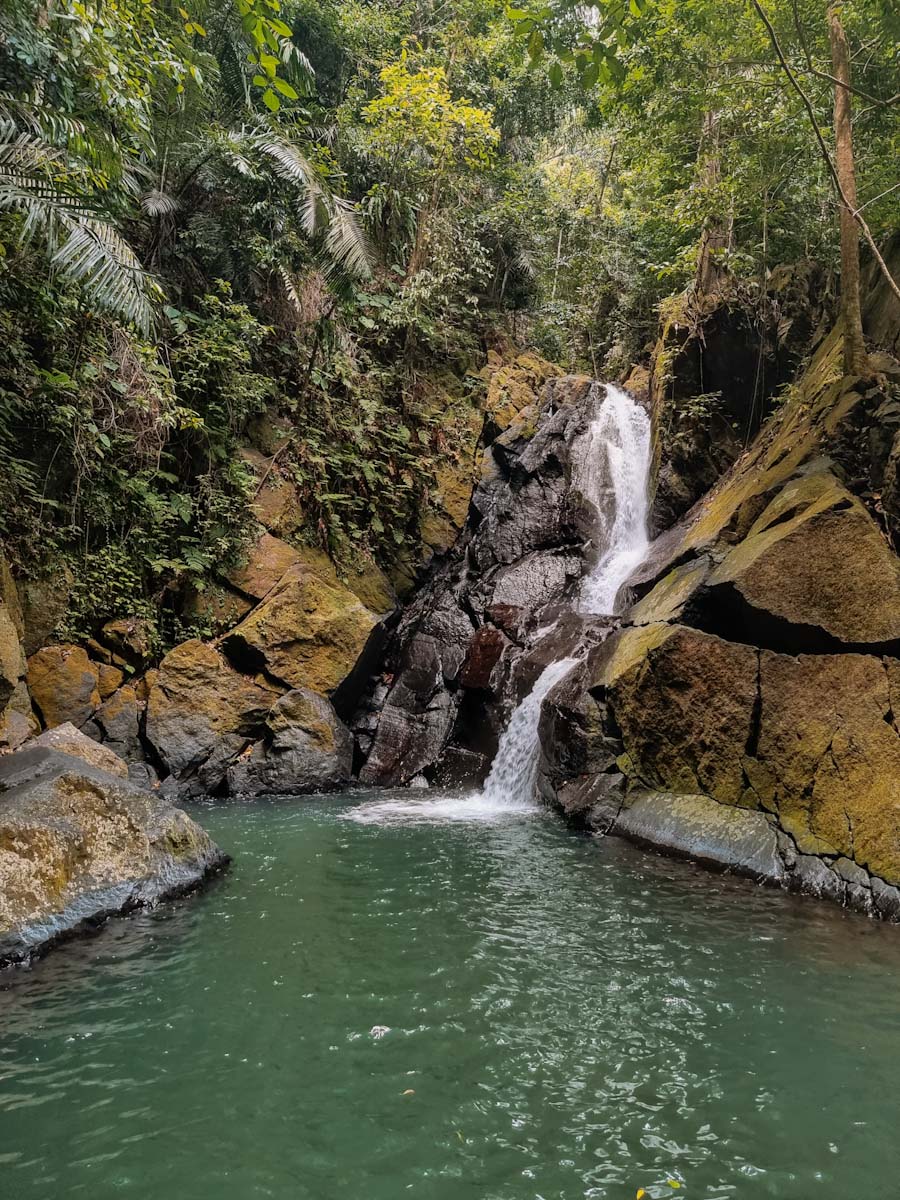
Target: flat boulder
{"x": 69, "y": 740}
{"x": 307, "y": 749}
{"x": 78, "y": 844}
{"x": 733, "y": 839}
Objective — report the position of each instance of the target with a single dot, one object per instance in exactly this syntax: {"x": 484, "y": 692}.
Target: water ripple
{"x": 559, "y": 1018}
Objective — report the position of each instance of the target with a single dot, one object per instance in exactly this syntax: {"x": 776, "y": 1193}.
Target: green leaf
{"x": 269, "y": 64}
{"x": 590, "y": 76}
{"x": 285, "y": 88}
{"x": 535, "y": 45}
{"x": 280, "y": 28}
{"x": 271, "y": 101}
{"x": 556, "y": 75}
{"x": 260, "y": 81}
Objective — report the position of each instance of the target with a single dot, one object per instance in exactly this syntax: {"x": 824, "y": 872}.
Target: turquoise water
{"x": 450, "y": 1009}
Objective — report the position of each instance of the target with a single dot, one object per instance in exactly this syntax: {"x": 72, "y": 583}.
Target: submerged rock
{"x": 78, "y": 844}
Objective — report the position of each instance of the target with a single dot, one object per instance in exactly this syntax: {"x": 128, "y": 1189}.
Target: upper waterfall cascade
{"x": 614, "y": 475}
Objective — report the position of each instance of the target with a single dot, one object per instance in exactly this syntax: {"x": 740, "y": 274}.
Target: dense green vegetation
{"x": 298, "y": 224}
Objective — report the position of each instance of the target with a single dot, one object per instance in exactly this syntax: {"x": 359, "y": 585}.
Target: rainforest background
{"x": 247, "y": 240}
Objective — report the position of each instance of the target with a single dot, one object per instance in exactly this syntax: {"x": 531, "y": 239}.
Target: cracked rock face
{"x": 747, "y": 713}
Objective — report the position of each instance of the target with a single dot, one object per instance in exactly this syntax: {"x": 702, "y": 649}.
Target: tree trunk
{"x": 855, "y": 360}
{"x": 715, "y": 235}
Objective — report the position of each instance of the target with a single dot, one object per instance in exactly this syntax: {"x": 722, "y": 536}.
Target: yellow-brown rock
{"x": 200, "y": 704}
{"x": 685, "y": 707}
{"x": 77, "y": 843}
{"x": 831, "y": 755}
{"x": 216, "y": 608}
{"x": 276, "y": 504}
{"x": 265, "y": 563}
{"x": 64, "y": 684}
{"x": 515, "y": 385}
{"x": 309, "y": 632}
{"x": 816, "y": 557}
{"x": 109, "y": 678}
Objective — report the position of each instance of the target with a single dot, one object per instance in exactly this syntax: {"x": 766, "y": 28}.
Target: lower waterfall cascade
{"x": 514, "y": 769}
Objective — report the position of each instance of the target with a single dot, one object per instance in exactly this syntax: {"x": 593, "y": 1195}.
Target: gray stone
{"x": 698, "y": 827}
{"x": 811, "y": 875}
{"x": 308, "y": 750}
{"x": 886, "y": 899}
{"x": 851, "y": 872}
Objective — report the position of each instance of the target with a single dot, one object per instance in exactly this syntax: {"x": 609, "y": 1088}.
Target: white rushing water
{"x": 514, "y": 770}
{"x": 614, "y": 474}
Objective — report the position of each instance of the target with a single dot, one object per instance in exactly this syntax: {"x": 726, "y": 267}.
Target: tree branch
{"x": 807, "y": 104}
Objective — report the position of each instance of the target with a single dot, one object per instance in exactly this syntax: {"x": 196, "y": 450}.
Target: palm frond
{"x": 83, "y": 244}
{"x": 97, "y": 256}
{"x": 156, "y": 203}
{"x": 346, "y": 241}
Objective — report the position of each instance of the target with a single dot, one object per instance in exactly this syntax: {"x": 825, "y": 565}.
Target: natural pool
{"x": 450, "y": 1009}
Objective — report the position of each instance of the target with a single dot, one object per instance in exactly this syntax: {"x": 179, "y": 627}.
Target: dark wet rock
{"x": 78, "y": 845}
{"x": 461, "y": 768}
{"x": 484, "y": 652}
{"x": 455, "y": 655}
{"x": 307, "y": 749}
{"x": 815, "y": 877}
{"x": 117, "y": 723}
{"x": 885, "y": 899}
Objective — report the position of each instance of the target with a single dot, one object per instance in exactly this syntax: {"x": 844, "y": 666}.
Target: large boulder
{"x": 307, "y": 749}
{"x": 265, "y": 561}
{"x": 64, "y": 684}
{"x": 78, "y": 844}
{"x": 809, "y": 743}
{"x": 201, "y": 713}
{"x": 309, "y": 632}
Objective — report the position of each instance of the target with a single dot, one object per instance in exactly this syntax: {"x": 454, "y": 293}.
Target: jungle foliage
{"x": 224, "y": 217}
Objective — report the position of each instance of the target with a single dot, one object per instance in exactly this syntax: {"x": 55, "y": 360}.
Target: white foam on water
{"x": 509, "y": 789}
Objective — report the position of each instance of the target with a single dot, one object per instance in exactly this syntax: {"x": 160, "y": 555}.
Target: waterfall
{"x": 613, "y": 470}
{"x": 514, "y": 770}
{"x": 613, "y": 473}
